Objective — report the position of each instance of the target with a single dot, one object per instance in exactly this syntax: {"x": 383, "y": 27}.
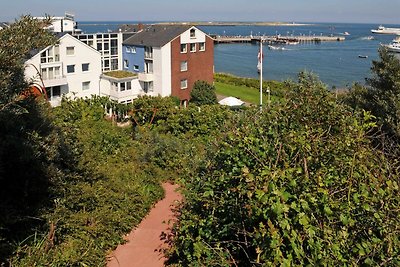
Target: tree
{"x": 203, "y": 93}
{"x": 381, "y": 96}
{"x": 29, "y": 145}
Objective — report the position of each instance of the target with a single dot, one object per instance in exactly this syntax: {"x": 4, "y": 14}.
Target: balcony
{"x": 146, "y": 77}
{"x": 55, "y": 81}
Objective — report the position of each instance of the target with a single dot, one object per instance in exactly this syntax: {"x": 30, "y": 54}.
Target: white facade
{"x": 62, "y": 24}
{"x": 123, "y": 90}
{"x": 110, "y": 47}
{"x": 70, "y": 68}
{"x": 162, "y": 70}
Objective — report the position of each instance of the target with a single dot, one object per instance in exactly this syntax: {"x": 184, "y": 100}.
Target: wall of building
{"x": 200, "y": 64}
{"x": 70, "y": 84}
{"x": 134, "y": 58}
{"x": 111, "y": 87}
{"x": 110, "y": 47}
{"x": 162, "y": 70}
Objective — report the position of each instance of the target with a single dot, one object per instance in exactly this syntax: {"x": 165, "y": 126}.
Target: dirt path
{"x": 144, "y": 244}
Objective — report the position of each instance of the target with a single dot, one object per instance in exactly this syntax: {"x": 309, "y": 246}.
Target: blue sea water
{"x": 336, "y": 63}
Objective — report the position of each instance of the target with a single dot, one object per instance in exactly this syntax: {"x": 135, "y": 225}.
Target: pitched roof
{"x": 156, "y": 35}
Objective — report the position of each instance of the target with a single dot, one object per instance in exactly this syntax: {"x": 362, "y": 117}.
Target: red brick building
{"x": 170, "y": 59}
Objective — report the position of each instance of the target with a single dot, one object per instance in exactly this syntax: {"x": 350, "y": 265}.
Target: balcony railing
{"x": 148, "y": 55}
{"x": 56, "y": 80}
{"x": 146, "y": 77}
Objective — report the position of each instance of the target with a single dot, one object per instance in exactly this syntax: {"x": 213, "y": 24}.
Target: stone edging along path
{"x": 144, "y": 244}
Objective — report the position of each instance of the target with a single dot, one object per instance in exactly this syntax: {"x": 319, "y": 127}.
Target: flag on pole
{"x": 260, "y": 57}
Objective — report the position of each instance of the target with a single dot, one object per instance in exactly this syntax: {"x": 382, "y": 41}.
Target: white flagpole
{"x": 261, "y": 72}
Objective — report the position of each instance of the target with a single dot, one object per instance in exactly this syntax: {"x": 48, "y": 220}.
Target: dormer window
{"x": 192, "y": 33}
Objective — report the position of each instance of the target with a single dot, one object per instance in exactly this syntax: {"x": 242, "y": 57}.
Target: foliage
{"x": 296, "y": 185}
{"x": 100, "y": 200}
{"x": 203, "y": 93}
{"x": 31, "y": 152}
{"x": 381, "y": 96}
{"x": 120, "y": 74}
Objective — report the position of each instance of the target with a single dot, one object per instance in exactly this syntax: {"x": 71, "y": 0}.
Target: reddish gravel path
{"x": 144, "y": 244}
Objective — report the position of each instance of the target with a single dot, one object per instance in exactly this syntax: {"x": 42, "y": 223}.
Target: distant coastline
{"x": 233, "y": 23}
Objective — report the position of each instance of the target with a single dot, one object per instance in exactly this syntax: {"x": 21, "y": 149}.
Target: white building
{"x": 62, "y": 24}
{"x": 70, "y": 68}
{"x": 109, "y": 45}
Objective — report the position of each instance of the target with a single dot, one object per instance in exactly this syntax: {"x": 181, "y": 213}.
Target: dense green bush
{"x": 103, "y": 196}
{"x": 297, "y": 185}
{"x": 203, "y": 93}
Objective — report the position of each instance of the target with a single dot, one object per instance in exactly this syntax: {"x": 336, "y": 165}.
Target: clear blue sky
{"x": 363, "y": 11}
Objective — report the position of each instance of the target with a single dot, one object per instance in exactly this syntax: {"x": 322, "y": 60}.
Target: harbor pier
{"x": 277, "y": 39}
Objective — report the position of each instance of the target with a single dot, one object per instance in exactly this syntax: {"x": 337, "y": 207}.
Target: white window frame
{"x": 194, "y": 33}
{"x": 126, "y": 64}
{"x": 136, "y": 67}
{"x": 73, "y": 65}
{"x": 88, "y": 67}
{"x": 184, "y": 50}
{"x": 70, "y": 48}
{"x": 86, "y": 86}
{"x": 184, "y": 65}
{"x": 184, "y": 84}
{"x": 192, "y": 45}
{"x": 202, "y": 48}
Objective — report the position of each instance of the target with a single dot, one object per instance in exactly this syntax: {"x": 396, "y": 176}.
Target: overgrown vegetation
{"x": 296, "y": 185}
{"x": 203, "y": 93}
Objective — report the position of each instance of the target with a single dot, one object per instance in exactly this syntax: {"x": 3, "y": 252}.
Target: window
{"x": 148, "y": 66}
{"x": 85, "y": 86}
{"x": 85, "y": 67}
{"x": 183, "y": 48}
{"x": 70, "y": 51}
{"x": 50, "y": 55}
{"x": 148, "y": 87}
{"x": 192, "y": 33}
{"x": 114, "y": 86}
{"x": 128, "y": 86}
{"x": 55, "y": 91}
{"x": 184, "y": 84}
{"x": 114, "y": 64}
{"x": 133, "y": 50}
{"x": 202, "y": 46}
{"x": 193, "y": 47}
{"x": 136, "y": 67}
{"x": 50, "y": 73}
{"x": 70, "y": 68}
{"x": 128, "y": 49}
{"x": 184, "y": 66}
{"x": 122, "y": 86}
{"x": 148, "y": 52}
{"x": 126, "y": 64}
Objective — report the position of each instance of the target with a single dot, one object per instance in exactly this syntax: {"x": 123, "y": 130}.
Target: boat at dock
{"x": 394, "y": 46}
{"x": 362, "y": 56}
{"x": 274, "y": 47}
{"x": 384, "y": 30}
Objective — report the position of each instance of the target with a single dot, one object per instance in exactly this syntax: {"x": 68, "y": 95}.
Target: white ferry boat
{"x": 384, "y": 30}
{"x": 394, "y": 46}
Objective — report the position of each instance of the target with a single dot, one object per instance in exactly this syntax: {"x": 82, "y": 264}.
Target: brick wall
{"x": 200, "y": 67}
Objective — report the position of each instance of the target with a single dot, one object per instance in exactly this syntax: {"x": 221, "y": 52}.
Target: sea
{"x": 337, "y": 64}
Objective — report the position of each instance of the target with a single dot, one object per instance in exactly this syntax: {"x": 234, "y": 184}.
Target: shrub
{"x": 203, "y": 93}
{"x": 298, "y": 185}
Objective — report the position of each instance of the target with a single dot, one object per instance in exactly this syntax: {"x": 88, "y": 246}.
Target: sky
{"x": 354, "y": 11}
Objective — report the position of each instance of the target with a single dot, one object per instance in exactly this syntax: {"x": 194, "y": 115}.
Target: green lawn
{"x": 246, "y": 94}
